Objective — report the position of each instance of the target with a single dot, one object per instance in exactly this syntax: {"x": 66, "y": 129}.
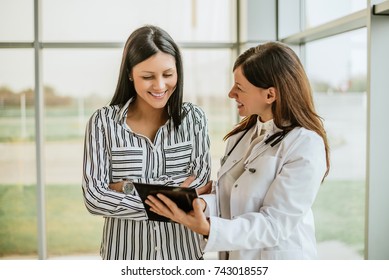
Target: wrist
{"x": 127, "y": 187}
{"x": 117, "y": 187}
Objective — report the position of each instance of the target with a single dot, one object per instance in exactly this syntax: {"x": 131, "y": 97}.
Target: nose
{"x": 232, "y": 93}
{"x": 159, "y": 83}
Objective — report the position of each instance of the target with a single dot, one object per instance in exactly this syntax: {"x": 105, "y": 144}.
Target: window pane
{"x": 321, "y": 11}
{"x": 337, "y": 69}
{"x": 100, "y": 20}
{"x": 16, "y": 20}
{"x": 18, "y": 222}
{"x": 208, "y": 76}
{"x": 289, "y": 17}
{"x": 77, "y": 82}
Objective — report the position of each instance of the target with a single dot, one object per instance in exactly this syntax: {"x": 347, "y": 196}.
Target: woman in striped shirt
{"x": 148, "y": 135}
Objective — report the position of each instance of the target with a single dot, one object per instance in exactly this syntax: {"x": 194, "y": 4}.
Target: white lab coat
{"x": 270, "y": 205}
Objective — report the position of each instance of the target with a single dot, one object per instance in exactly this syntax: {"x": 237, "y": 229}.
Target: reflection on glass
{"x": 337, "y": 67}
{"x": 191, "y": 20}
{"x": 18, "y": 223}
{"x": 321, "y": 11}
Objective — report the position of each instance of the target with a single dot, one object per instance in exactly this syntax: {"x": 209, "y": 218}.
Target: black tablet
{"x": 183, "y": 197}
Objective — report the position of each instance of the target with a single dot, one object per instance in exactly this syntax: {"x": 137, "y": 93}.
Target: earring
{"x": 130, "y": 78}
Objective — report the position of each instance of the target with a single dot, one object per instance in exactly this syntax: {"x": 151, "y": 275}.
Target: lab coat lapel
{"x": 257, "y": 151}
{"x": 261, "y": 147}
{"x": 236, "y": 155}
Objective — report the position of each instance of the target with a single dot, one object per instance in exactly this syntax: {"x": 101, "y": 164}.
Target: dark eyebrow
{"x": 151, "y": 72}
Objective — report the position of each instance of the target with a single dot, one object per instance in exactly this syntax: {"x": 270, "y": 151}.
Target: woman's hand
{"x": 207, "y": 188}
{"x": 195, "y": 219}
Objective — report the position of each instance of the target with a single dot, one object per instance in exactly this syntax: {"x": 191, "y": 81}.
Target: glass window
{"x": 208, "y": 76}
{"x": 100, "y": 20}
{"x": 321, "y": 11}
{"x": 289, "y": 21}
{"x": 77, "y": 82}
{"x": 337, "y": 69}
{"x": 16, "y": 20}
{"x": 18, "y": 223}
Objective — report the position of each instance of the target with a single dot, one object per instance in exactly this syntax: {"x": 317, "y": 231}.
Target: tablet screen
{"x": 183, "y": 197}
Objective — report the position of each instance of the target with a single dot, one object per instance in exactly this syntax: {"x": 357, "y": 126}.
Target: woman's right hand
{"x": 195, "y": 219}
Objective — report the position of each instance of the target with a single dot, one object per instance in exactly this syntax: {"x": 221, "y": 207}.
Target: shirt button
{"x": 156, "y": 248}
{"x": 236, "y": 186}
{"x": 234, "y": 161}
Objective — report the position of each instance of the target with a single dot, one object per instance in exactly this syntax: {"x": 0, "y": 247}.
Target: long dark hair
{"x": 143, "y": 43}
{"x": 274, "y": 64}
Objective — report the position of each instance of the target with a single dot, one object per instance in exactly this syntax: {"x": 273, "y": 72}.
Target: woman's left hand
{"x": 195, "y": 219}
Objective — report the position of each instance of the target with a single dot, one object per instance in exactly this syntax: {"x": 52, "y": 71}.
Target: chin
{"x": 158, "y": 104}
{"x": 242, "y": 113}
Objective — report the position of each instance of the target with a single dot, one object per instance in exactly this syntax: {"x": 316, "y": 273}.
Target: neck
{"x": 143, "y": 111}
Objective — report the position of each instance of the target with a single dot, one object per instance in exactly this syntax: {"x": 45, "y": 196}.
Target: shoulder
{"x": 302, "y": 138}
{"x": 306, "y": 135}
{"x": 106, "y": 112}
{"x": 194, "y": 112}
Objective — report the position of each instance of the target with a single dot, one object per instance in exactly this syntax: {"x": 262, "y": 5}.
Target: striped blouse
{"x": 113, "y": 153}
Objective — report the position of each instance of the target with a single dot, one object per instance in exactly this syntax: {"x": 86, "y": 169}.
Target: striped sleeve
{"x": 98, "y": 198}
{"x": 201, "y": 163}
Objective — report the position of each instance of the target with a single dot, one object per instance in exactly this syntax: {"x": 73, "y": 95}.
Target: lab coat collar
{"x": 240, "y": 150}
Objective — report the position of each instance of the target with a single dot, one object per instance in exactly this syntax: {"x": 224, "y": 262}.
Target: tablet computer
{"x": 183, "y": 197}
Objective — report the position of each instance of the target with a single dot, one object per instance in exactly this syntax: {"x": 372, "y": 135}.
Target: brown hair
{"x": 143, "y": 43}
{"x": 274, "y": 64}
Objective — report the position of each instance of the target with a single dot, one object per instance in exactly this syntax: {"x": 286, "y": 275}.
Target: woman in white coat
{"x": 276, "y": 159}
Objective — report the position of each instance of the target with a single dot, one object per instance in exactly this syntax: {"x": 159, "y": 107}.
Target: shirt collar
{"x": 269, "y": 128}
{"x": 123, "y": 111}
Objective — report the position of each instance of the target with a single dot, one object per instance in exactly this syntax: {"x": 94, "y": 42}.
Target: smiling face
{"x": 252, "y": 100}
{"x": 155, "y": 80}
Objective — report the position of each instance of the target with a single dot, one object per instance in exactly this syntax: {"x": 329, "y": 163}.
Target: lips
{"x": 158, "y": 94}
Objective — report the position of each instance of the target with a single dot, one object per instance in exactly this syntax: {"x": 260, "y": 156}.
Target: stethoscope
{"x": 272, "y": 140}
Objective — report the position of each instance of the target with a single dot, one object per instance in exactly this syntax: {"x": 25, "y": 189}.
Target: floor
{"x": 330, "y": 250}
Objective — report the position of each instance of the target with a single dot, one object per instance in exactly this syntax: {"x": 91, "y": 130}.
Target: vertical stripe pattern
{"x": 112, "y": 152}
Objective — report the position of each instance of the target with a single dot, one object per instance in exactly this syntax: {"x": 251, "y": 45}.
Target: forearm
{"x": 101, "y": 200}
